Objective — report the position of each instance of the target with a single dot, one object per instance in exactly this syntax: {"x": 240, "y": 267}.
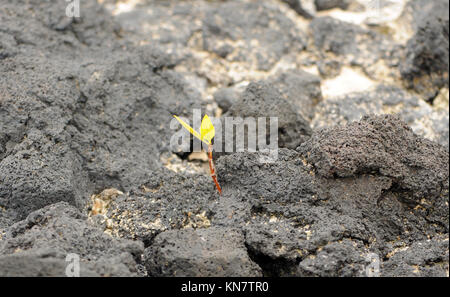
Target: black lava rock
{"x": 425, "y": 68}
{"x": 39, "y": 245}
{"x": 202, "y": 252}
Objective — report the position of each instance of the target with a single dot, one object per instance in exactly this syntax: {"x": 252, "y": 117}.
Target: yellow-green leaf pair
{"x": 207, "y": 130}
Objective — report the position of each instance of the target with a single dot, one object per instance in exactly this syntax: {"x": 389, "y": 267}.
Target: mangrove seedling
{"x": 206, "y": 134}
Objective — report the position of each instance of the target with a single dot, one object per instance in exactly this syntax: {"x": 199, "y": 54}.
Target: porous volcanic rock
{"x": 214, "y": 251}
{"x": 425, "y": 67}
{"x": 39, "y": 245}
{"x": 87, "y": 167}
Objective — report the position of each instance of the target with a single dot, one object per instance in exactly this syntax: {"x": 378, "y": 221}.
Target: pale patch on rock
{"x": 100, "y": 202}
{"x": 350, "y": 80}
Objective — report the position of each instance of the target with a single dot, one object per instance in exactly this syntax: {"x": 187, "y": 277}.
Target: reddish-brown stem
{"x": 212, "y": 169}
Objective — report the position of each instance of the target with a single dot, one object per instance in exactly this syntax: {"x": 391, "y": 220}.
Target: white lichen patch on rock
{"x": 350, "y": 80}
{"x": 199, "y": 220}
{"x": 123, "y": 6}
{"x": 153, "y": 225}
{"x": 195, "y": 165}
{"x": 114, "y": 220}
{"x": 440, "y": 103}
{"x": 100, "y": 202}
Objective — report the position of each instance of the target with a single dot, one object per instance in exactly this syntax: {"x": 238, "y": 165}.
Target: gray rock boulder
{"x": 39, "y": 245}
{"x": 202, "y": 252}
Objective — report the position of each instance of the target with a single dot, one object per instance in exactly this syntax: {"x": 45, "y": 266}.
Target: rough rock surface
{"x": 300, "y": 89}
{"x": 60, "y": 143}
{"x": 322, "y": 203}
{"x": 226, "y": 97}
{"x": 306, "y": 8}
{"x": 353, "y": 45}
{"x": 39, "y": 244}
{"x": 425, "y": 68}
{"x": 260, "y": 99}
{"x": 422, "y": 258}
{"x": 203, "y": 252}
{"x": 259, "y": 29}
{"x": 165, "y": 201}
{"x": 86, "y": 166}
{"x": 383, "y": 145}
{"x": 425, "y": 120}
{"x": 328, "y": 4}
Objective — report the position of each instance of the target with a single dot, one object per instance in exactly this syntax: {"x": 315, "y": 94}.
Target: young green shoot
{"x": 206, "y": 134}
